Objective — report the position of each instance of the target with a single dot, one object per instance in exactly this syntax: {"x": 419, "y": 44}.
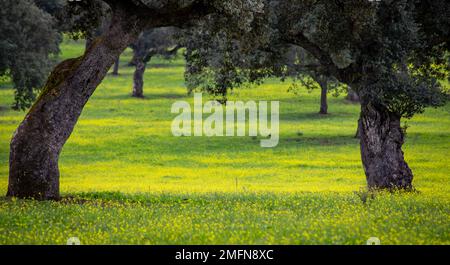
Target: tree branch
{"x": 322, "y": 56}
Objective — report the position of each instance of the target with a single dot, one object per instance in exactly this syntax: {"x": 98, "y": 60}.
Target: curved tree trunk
{"x": 323, "y": 96}
{"x": 138, "y": 78}
{"x": 381, "y": 149}
{"x": 116, "y": 67}
{"x": 37, "y": 142}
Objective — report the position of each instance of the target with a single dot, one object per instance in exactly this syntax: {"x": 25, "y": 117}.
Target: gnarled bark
{"x": 37, "y": 142}
{"x": 381, "y": 139}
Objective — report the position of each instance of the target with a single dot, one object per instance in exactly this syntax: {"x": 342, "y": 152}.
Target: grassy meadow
{"x": 126, "y": 180}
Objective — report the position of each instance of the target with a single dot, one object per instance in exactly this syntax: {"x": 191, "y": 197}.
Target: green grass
{"x": 126, "y": 179}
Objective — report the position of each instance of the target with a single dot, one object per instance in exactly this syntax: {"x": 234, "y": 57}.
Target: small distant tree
{"x": 116, "y": 66}
{"x": 308, "y": 72}
{"x": 158, "y": 41}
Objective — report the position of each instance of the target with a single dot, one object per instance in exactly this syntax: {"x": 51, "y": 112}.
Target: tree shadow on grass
{"x": 167, "y": 95}
{"x": 338, "y": 140}
{"x": 149, "y": 150}
{"x": 166, "y": 65}
{"x": 315, "y": 116}
{"x": 4, "y": 108}
{"x": 147, "y": 96}
{"x": 323, "y": 166}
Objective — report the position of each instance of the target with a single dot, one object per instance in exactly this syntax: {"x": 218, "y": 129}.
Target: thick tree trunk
{"x": 37, "y": 142}
{"x": 323, "y": 97}
{"x": 116, "y": 67}
{"x": 381, "y": 149}
{"x": 138, "y": 78}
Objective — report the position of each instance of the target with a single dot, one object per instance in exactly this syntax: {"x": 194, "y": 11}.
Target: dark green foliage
{"x": 28, "y": 38}
{"x": 391, "y": 52}
{"x": 84, "y": 19}
{"x": 216, "y": 63}
{"x": 32, "y": 30}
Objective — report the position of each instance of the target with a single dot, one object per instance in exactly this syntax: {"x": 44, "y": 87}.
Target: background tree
{"x": 29, "y": 39}
{"x": 216, "y": 64}
{"x": 307, "y": 72}
{"x": 158, "y": 41}
{"x": 116, "y": 66}
{"x": 216, "y": 69}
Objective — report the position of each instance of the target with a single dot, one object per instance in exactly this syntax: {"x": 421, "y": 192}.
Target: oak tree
{"x": 38, "y": 141}
{"x": 391, "y": 54}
